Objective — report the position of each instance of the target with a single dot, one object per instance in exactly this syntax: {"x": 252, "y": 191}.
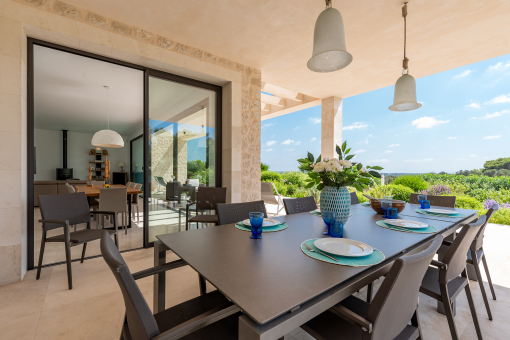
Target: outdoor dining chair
{"x": 388, "y": 316}
{"x": 70, "y": 188}
{"x": 438, "y": 201}
{"x": 444, "y": 282}
{"x": 114, "y": 199}
{"x": 236, "y": 212}
{"x": 354, "y": 198}
{"x": 97, "y": 182}
{"x": 268, "y": 196}
{"x": 210, "y": 316}
{"x": 299, "y": 205}
{"x": 61, "y": 211}
{"x": 207, "y": 200}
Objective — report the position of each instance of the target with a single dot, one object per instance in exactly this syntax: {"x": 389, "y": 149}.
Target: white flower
{"x": 325, "y": 159}
{"x": 345, "y": 163}
{"x": 319, "y": 167}
{"x": 364, "y": 170}
{"x": 333, "y": 167}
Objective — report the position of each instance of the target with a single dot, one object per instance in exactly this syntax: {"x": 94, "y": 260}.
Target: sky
{"x": 462, "y": 123}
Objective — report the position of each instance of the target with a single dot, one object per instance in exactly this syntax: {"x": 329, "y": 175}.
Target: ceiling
{"x": 276, "y": 36}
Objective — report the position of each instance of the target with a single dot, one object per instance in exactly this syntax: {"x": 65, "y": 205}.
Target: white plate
{"x": 268, "y": 222}
{"x": 343, "y": 247}
{"x": 406, "y": 224}
{"x": 441, "y": 211}
{"x": 318, "y": 211}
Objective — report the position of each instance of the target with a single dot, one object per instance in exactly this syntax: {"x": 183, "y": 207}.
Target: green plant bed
{"x": 466, "y": 202}
{"x": 501, "y": 216}
{"x": 416, "y": 183}
{"x": 270, "y": 176}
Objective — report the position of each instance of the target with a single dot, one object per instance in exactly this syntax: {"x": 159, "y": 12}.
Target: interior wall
{"x": 49, "y": 156}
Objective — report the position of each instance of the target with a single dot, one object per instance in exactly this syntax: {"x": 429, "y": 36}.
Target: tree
{"x": 503, "y": 172}
{"x": 264, "y": 167}
{"x": 500, "y": 163}
{"x": 490, "y": 172}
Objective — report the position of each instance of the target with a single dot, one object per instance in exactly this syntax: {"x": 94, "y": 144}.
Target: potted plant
{"x": 332, "y": 176}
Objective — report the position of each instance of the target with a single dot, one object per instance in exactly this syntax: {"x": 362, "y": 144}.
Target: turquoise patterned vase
{"x": 336, "y": 200}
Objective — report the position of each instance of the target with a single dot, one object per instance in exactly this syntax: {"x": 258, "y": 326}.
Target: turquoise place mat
{"x": 313, "y": 212}
{"x": 374, "y": 258}
{"x": 278, "y": 227}
{"x": 429, "y": 230}
{"x": 425, "y": 212}
{"x": 365, "y": 204}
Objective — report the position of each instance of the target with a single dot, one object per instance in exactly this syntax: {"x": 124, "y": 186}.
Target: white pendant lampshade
{"x": 329, "y": 51}
{"x": 107, "y": 138}
{"x": 405, "y": 94}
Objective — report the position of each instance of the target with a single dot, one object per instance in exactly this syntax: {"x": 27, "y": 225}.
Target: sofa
{"x": 53, "y": 188}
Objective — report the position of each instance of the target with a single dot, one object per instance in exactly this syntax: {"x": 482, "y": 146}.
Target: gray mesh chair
{"x": 444, "y": 284}
{"x": 388, "y": 316}
{"x": 114, "y": 199}
{"x": 236, "y": 212}
{"x": 438, "y": 201}
{"x": 354, "y": 198}
{"x": 209, "y": 316}
{"x": 207, "y": 200}
{"x": 135, "y": 202}
{"x": 97, "y": 182}
{"x": 299, "y": 205}
{"x": 70, "y": 188}
{"x": 61, "y": 211}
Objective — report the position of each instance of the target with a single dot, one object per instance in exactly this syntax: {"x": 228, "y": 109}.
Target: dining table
{"x": 94, "y": 190}
{"x": 276, "y": 286}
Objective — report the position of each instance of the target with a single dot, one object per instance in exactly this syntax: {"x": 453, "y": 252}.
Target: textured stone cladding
{"x": 250, "y": 132}
{"x": 336, "y": 200}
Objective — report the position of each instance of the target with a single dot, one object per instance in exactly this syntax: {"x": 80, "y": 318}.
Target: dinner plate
{"x": 268, "y": 222}
{"x": 406, "y": 224}
{"x": 343, "y": 247}
{"x": 441, "y": 211}
{"x": 318, "y": 211}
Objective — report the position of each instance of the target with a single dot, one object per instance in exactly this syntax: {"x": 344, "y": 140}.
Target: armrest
{"x": 159, "y": 269}
{"x": 198, "y": 322}
{"x": 352, "y": 318}
{"x": 438, "y": 264}
{"x": 447, "y": 243}
{"x": 63, "y": 222}
{"x": 103, "y": 212}
{"x": 190, "y": 203}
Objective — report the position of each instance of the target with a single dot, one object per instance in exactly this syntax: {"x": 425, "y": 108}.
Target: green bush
{"x": 361, "y": 198}
{"x": 400, "y": 192}
{"x": 264, "y": 167}
{"x": 414, "y": 182}
{"x": 466, "y": 202}
{"x": 295, "y": 178}
{"x": 282, "y": 188}
{"x": 501, "y": 216}
{"x": 270, "y": 176}
{"x": 380, "y": 191}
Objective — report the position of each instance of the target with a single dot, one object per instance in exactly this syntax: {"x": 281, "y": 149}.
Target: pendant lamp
{"x": 107, "y": 138}
{"x": 405, "y": 87}
{"x": 329, "y": 51}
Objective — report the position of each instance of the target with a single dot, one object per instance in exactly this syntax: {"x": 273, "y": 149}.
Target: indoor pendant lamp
{"x": 405, "y": 88}
{"x": 107, "y": 138}
{"x": 329, "y": 52}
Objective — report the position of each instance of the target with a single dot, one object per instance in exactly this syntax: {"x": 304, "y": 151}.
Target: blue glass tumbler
{"x": 422, "y": 199}
{"x": 393, "y": 213}
{"x": 337, "y": 229}
{"x": 386, "y": 205}
{"x": 256, "y": 221}
{"x": 329, "y": 218}
{"x": 425, "y": 205}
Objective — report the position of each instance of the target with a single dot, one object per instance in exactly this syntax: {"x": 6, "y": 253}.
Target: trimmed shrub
{"x": 295, "y": 178}
{"x": 270, "y": 176}
{"x": 416, "y": 183}
{"x": 400, "y": 192}
{"x": 466, "y": 202}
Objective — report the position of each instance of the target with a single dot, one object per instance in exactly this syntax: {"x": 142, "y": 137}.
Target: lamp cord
{"x": 405, "y": 62}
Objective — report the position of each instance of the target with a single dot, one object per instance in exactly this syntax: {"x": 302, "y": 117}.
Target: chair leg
{"x": 480, "y": 283}
{"x": 415, "y": 321}
{"x": 83, "y": 252}
{"x": 68, "y": 260}
{"x": 125, "y": 218}
{"x": 448, "y": 311}
{"x": 116, "y": 240}
{"x": 473, "y": 311}
{"x": 488, "y": 276}
{"x": 137, "y": 214}
{"x": 369, "y": 292}
{"x": 41, "y": 254}
{"x": 201, "y": 282}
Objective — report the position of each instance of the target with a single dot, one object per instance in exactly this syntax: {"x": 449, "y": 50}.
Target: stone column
{"x": 331, "y": 129}
{"x": 182, "y": 159}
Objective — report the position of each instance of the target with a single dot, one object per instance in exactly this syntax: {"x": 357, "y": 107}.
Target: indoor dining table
{"x": 279, "y": 288}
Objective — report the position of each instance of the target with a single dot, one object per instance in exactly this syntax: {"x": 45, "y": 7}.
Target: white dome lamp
{"x": 329, "y": 51}
{"x": 405, "y": 88}
{"x": 107, "y": 138}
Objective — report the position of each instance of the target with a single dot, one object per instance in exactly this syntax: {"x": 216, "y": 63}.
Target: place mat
{"x": 374, "y": 258}
{"x": 365, "y": 204}
{"x": 429, "y": 230}
{"x": 278, "y": 227}
{"x": 425, "y": 212}
{"x": 313, "y": 212}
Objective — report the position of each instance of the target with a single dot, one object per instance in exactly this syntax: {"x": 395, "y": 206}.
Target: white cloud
{"x": 495, "y": 114}
{"x": 472, "y": 155}
{"x": 492, "y": 137}
{"x": 360, "y": 151}
{"x": 388, "y": 151}
{"x": 418, "y": 160}
{"x": 288, "y": 142}
{"x": 498, "y": 67}
{"x": 393, "y": 145}
{"x": 380, "y": 160}
{"x": 427, "y": 122}
{"x": 267, "y": 125}
{"x": 313, "y": 139}
{"x": 462, "y": 75}
{"x": 473, "y": 117}
{"x": 298, "y": 143}
{"x": 315, "y": 120}
{"x": 270, "y": 142}
{"x": 297, "y": 128}
{"x": 357, "y": 125}
{"x": 290, "y": 150}
{"x": 269, "y": 149}
{"x": 451, "y": 138}
{"x": 500, "y": 99}
{"x": 474, "y": 105}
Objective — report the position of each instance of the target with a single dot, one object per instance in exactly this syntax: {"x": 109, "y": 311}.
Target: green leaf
{"x": 349, "y": 157}
{"x": 359, "y": 166}
{"x": 376, "y": 168}
{"x": 338, "y": 151}
{"x": 307, "y": 168}
{"x": 344, "y": 146}
{"x": 375, "y": 174}
{"x": 347, "y": 151}
{"x": 310, "y": 185}
{"x": 364, "y": 180}
{"x": 318, "y": 159}
{"x": 310, "y": 157}
{"x": 365, "y": 174}
{"x": 358, "y": 187}
{"x": 303, "y": 160}
{"x": 321, "y": 186}
{"x": 364, "y": 186}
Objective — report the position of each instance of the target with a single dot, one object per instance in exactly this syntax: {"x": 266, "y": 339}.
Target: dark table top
{"x": 269, "y": 277}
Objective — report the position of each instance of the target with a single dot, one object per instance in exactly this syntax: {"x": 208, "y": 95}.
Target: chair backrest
{"x": 478, "y": 242}
{"x": 113, "y": 199}
{"x": 455, "y": 256}
{"x": 438, "y": 201}
{"x": 97, "y": 182}
{"x": 208, "y": 198}
{"x": 134, "y": 197}
{"x": 266, "y": 193}
{"x": 72, "y": 207}
{"x": 193, "y": 182}
{"x": 137, "y": 186}
{"x": 70, "y": 188}
{"x": 397, "y": 298}
{"x": 354, "y": 198}
{"x": 160, "y": 180}
{"x": 236, "y": 212}
{"x": 130, "y": 184}
{"x": 299, "y": 205}
{"x": 141, "y": 323}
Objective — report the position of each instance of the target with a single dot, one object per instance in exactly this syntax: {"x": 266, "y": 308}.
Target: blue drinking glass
{"x": 425, "y": 205}
{"x": 337, "y": 229}
{"x": 329, "y": 218}
{"x": 422, "y": 199}
{"x": 393, "y": 213}
{"x": 256, "y": 221}
{"x": 385, "y": 205}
